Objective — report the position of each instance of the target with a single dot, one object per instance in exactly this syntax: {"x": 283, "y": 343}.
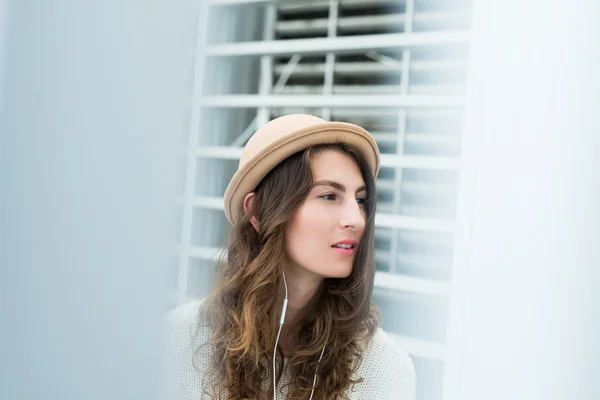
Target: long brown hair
{"x": 242, "y": 312}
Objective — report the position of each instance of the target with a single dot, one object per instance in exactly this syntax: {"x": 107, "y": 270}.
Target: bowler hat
{"x": 284, "y": 136}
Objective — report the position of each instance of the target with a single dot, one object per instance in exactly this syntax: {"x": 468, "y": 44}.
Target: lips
{"x": 346, "y": 246}
{"x": 346, "y": 243}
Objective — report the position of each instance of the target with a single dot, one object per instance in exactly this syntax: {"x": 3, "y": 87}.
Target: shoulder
{"x": 184, "y": 335}
{"x": 387, "y": 369}
{"x": 388, "y": 352}
{"x": 184, "y": 326}
{"x": 184, "y": 316}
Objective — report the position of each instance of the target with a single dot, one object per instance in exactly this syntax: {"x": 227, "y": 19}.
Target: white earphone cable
{"x": 281, "y": 320}
{"x": 315, "y": 378}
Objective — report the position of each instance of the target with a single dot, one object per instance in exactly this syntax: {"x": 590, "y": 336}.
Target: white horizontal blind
{"x": 396, "y": 68}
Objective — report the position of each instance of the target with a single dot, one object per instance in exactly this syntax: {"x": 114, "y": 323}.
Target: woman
{"x": 291, "y": 314}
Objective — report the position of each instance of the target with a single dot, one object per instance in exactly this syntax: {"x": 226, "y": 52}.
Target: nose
{"x": 352, "y": 216}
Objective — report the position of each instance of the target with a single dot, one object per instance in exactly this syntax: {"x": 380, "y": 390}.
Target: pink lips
{"x": 345, "y": 251}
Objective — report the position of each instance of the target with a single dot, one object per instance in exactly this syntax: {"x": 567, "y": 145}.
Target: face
{"x": 323, "y": 235}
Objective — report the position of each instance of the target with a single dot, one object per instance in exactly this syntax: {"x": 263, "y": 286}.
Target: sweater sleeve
{"x": 387, "y": 370}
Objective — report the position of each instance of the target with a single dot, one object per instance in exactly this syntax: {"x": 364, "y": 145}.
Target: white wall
{"x": 93, "y": 96}
{"x": 528, "y": 249}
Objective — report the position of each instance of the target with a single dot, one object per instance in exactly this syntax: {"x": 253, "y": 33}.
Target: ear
{"x": 248, "y": 203}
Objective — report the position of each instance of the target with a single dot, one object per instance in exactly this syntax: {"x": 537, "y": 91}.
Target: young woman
{"x": 291, "y": 314}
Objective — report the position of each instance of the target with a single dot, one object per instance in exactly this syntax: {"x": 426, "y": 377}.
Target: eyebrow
{"x": 337, "y": 186}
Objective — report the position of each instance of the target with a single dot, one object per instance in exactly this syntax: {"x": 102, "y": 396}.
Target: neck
{"x": 302, "y": 289}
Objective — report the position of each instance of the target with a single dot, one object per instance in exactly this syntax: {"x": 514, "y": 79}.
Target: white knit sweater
{"x": 387, "y": 370}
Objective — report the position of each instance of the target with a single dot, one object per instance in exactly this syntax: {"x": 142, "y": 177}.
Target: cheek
{"x": 305, "y": 233}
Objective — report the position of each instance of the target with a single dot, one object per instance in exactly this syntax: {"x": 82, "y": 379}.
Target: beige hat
{"x": 284, "y": 136}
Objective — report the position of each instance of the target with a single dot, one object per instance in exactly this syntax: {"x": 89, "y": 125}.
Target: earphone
{"x": 281, "y": 320}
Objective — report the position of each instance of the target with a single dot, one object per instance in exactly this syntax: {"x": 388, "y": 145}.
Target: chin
{"x": 338, "y": 274}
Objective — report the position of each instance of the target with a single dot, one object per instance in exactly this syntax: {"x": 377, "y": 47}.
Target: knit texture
{"x": 387, "y": 370}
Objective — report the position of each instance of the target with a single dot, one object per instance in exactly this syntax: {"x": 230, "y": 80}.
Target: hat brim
{"x": 256, "y": 168}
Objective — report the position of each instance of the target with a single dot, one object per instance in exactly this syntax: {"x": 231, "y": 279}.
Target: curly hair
{"x": 242, "y": 311}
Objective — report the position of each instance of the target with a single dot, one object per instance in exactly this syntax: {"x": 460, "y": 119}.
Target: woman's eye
{"x": 328, "y": 196}
{"x": 361, "y": 200}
